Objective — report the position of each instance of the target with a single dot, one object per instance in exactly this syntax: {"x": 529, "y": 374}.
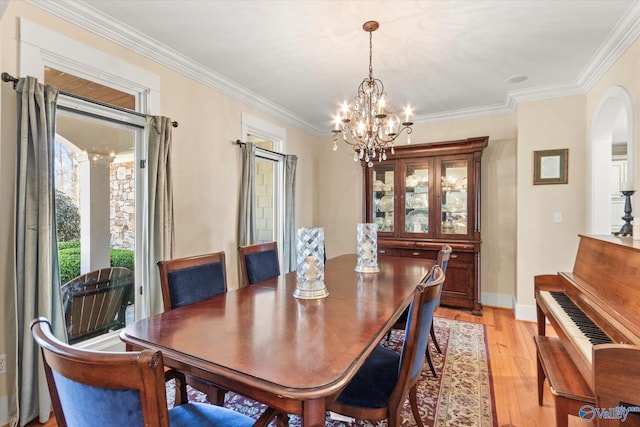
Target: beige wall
{"x": 545, "y": 247}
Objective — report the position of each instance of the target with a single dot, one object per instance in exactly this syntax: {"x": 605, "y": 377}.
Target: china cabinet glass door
{"x": 383, "y": 197}
{"x": 453, "y": 189}
{"x": 416, "y": 199}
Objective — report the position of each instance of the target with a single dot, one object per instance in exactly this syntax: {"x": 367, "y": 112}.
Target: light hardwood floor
{"x": 513, "y": 366}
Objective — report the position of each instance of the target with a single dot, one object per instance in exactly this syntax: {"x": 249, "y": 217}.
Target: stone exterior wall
{"x": 123, "y": 205}
{"x": 264, "y": 201}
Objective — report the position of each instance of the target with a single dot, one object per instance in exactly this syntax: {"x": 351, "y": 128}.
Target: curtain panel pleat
{"x": 160, "y": 215}
{"x": 247, "y": 216}
{"x": 37, "y": 272}
{"x": 289, "y": 249}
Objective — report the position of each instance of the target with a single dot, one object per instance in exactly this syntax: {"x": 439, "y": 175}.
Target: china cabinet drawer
{"x": 387, "y": 251}
{"x": 417, "y": 253}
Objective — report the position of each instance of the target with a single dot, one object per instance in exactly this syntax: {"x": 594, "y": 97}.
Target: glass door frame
{"x": 442, "y": 164}
{"x": 431, "y": 205}
{"x": 80, "y": 108}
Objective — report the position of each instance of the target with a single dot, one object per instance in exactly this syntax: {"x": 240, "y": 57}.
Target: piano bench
{"x": 567, "y": 385}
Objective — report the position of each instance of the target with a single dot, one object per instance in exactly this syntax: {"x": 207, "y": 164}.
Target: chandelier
{"x": 370, "y": 126}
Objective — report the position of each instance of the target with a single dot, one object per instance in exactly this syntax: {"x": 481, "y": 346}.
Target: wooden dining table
{"x": 288, "y": 353}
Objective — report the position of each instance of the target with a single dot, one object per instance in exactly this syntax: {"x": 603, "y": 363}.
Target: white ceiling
{"x": 298, "y": 60}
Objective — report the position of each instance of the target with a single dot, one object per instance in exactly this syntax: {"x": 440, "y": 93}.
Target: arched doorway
{"x": 611, "y": 138}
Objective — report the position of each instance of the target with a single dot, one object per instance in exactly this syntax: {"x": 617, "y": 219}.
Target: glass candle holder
{"x": 367, "y": 248}
{"x": 310, "y": 264}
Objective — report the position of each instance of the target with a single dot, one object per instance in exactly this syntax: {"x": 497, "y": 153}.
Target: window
{"x": 96, "y": 213}
{"x": 269, "y": 191}
{"x": 42, "y": 50}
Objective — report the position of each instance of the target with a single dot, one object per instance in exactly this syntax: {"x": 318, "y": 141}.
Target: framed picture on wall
{"x": 551, "y": 166}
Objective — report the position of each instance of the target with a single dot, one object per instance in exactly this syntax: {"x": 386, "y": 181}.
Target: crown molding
{"x": 461, "y": 114}
{"x": 89, "y": 18}
{"x": 92, "y": 20}
{"x": 615, "y": 45}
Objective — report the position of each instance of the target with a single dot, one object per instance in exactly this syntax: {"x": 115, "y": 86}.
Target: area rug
{"x": 461, "y": 396}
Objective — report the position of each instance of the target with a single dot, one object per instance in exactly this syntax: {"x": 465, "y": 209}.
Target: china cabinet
{"x": 425, "y": 195}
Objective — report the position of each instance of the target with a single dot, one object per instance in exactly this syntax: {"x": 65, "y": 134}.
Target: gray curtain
{"x": 289, "y": 249}
{"x": 246, "y": 210}
{"x": 37, "y": 271}
{"x": 160, "y": 217}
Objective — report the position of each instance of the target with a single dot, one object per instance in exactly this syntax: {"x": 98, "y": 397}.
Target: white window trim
{"x": 41, "y": 47}
{"x": 252, "y": 125}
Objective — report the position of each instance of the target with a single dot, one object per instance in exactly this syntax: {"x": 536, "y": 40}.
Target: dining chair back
{"x": 443, "y": 261}
{"x": 385, "y": 380}
{"x": 115, "y": 389}
{"x": 258, "y": 262}
{"x": 192, "y": 279}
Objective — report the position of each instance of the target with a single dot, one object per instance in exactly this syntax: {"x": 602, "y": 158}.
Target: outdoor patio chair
{"x": 96, "y": 302}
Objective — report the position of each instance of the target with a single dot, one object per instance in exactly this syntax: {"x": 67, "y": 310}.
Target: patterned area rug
{"x": 462, "y": 395}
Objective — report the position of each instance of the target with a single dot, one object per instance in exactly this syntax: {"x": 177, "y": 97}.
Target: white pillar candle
{"x": 626, "y": 186}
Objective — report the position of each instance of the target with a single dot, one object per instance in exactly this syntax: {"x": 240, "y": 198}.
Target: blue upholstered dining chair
{"x": 380, "y": 387}
{"x": 442, "y": 260}
{"x": 192, "y": 279}
{"x": 186, "y": 281}
{"x": 258, "y": 262}
{"x": 91, "y": 388}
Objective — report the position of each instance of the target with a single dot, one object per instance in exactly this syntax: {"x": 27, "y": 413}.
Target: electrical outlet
{"x": 3, "y": 363}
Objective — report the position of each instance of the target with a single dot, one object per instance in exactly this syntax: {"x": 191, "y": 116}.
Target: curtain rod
{"x": 238, "y": 142}
{"x": 8, "y": 78}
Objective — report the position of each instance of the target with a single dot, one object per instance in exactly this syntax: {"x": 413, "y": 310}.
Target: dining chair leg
{"x": 413, "y": 400}
{"x": 434, "y": 339}
{"x": 430, "y": 362}
{"x": 282, "y": 420}
{"x": 215, "y": 395}
{"x": 394, "y": 419}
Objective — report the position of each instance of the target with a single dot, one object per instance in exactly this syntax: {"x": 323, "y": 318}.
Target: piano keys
{"x": 597, "y": 303}
{"x": 581, "y": 331}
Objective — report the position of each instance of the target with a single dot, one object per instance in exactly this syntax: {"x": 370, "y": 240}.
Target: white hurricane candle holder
{"x": 310, "y": 264}
{"x": 367, "y": 248}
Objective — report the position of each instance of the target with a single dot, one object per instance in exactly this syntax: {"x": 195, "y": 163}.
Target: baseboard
{"x": 497, "y": 300}
{"x": 525, "y": 312}
{"x": 105, "y": 342}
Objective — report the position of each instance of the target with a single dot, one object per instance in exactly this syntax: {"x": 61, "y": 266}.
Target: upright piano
{"x": 597, "y": 303}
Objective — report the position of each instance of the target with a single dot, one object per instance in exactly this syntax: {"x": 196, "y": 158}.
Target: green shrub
{"x": 68, "y": 245}
{"x": 67, "y": 218}
{"x": 69, "y": 260}
{"x": 122, "y": 258}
